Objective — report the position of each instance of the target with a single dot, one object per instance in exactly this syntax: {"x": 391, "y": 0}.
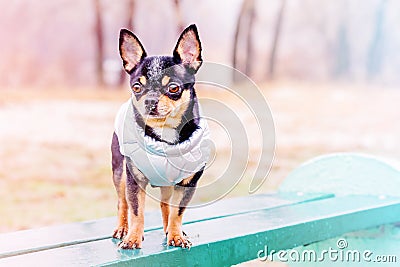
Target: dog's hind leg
{"x": 120, "y": 185}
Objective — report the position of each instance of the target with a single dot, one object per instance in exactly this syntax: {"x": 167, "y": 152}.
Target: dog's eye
{"x": 173, "y": 88}
{"x": 137, "y": 88}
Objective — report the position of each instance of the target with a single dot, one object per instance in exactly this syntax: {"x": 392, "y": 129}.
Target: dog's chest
{"x": 168, "y": 134}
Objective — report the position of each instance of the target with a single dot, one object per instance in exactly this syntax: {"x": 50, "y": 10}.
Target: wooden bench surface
{"x": 64, "y": 235}
{"x": 227, "y": 232}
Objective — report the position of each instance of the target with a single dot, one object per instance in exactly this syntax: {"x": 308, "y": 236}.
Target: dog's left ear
{"x": 188, "y": 49}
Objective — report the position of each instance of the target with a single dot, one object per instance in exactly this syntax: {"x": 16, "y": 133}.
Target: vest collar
{"x": 163, "y": 149}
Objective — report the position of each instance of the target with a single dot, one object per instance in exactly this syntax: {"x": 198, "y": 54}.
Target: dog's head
{"x": 162, "y": 86}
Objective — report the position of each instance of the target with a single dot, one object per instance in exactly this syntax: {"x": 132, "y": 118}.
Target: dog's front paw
{"x": 132, "y": 241}
{"x": 120, "y": 232}
{"x": 178, "y": 239}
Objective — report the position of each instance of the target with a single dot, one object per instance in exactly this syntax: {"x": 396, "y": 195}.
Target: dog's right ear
{"x": 130, "y": 49}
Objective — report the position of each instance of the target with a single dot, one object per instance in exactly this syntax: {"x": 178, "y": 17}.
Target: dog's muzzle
{"x": 151, "y": 102}
{"x": 151, "y": 105}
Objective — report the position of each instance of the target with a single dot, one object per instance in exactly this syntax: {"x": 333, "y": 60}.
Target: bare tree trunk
{"x": 342, "y": 53}
{"x": 375, "y": 53}
{"x": 129, "y": 15}
{"x": 98, "y": 31}
{"x": 178, "y": 15}
{"x": 236, "y": 39}
{"x": 275, "y": 42}
{"x": 130, "y": 11}
{"x": 249, "y": 45}
{"x": 244, "y": 10}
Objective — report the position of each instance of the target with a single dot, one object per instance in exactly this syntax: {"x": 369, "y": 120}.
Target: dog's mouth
{"x": 157, "y": 112}
{"x": 155, "y": 115}
{"x": 152, "y": 112}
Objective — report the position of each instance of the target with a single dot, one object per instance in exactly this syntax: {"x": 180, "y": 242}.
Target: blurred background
{"x": 328, "y": 69}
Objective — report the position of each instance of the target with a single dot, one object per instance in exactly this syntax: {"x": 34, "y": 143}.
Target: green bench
{"x": 323, "y": 200}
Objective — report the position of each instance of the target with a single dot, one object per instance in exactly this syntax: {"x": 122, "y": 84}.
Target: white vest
{"x": 161, "y": 163}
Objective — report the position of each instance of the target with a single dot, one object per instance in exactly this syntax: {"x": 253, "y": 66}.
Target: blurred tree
{"x": 375, "y": 53}
{"x": 245, "y": 18}
{"x": 130, "y": 12}
{"x": 341, "y": 56}
{"x": 236, "y": 38}
{"x": 275, "y": 40}
{"x": 249, "y": 45}
{"x": 178, "y": 15}
{"x": 98, "y": 31}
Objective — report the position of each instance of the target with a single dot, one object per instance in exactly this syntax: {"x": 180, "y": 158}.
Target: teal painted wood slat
{"x": 380, "y": 241}
{"x": 233, "y": 239}
{"x": 65, "y": 235}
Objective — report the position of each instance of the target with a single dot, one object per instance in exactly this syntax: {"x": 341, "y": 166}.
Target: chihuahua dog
{"x": 160, "y": 134}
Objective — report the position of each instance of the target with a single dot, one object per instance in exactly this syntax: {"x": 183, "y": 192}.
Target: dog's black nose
{"x": 151, "y": 104}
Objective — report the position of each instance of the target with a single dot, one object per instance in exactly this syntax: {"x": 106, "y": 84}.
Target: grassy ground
{"x": 54, "y": 156}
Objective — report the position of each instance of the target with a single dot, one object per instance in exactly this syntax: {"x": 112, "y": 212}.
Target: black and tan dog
{"x": 159, "y": 132}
